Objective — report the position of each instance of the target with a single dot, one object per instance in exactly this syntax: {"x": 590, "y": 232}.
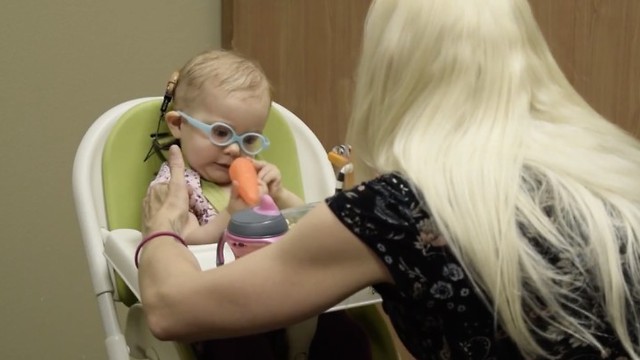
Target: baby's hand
{"x": 269, "y": 178}
{"x": 236, "y": 202}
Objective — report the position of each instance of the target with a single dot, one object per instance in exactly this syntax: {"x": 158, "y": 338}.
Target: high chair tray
{"x": 120, "y": 247}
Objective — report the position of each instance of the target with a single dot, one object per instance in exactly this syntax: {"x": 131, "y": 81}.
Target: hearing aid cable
{"x": 156, "y": 146}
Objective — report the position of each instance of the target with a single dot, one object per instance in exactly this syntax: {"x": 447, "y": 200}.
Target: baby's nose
{"x": 232, "y": 149}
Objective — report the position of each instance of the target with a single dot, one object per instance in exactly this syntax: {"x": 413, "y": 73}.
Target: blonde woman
{"x": 498, "y": 217}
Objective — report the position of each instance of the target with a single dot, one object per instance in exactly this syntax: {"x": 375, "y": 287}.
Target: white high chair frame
{"x": 108, "y": 250}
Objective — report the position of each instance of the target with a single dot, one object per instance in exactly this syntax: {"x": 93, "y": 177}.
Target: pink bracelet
{"x": 153, "y": 236}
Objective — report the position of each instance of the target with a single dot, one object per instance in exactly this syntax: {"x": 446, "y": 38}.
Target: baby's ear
{"x": 174, "y": 123}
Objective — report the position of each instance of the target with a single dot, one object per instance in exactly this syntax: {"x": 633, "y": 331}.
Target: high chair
{"x": 110, "y": 180}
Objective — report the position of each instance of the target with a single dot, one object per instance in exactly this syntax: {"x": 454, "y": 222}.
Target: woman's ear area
{"x": 174, "y": 123}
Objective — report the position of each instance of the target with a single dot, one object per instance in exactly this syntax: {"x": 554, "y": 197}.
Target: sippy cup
{"x": 252, "y": 229}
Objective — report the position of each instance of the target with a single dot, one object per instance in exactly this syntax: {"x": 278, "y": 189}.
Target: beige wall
{"x": 62, "y": 63}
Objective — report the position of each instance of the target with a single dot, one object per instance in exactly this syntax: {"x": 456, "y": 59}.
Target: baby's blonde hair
{"x": 229, "y": 71}
{"x": 465, "y": 99}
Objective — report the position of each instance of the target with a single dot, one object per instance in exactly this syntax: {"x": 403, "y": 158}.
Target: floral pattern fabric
{"x": 198, "y": 203}
{"x": 433, "y": 305}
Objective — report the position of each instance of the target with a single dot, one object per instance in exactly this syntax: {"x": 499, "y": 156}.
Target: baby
{"x": 220, "y": 106}
{"x": 221, "y": 102}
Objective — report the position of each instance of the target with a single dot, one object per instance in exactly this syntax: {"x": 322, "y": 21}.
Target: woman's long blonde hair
{"x": 465, "y": 99}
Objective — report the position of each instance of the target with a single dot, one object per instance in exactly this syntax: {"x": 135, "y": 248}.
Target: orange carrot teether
{"x": 244, "y": 173}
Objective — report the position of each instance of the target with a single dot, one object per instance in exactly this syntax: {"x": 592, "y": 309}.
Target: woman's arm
{"x": 316, "y": 265}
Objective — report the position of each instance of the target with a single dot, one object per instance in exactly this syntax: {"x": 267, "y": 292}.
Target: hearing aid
{"x": 168, "y": 93}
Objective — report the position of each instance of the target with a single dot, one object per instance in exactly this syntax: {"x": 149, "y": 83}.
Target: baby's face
{"x": 242, "y": 111}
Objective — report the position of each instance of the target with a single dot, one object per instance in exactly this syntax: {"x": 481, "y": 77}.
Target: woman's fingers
{"x": 177, "y": 183}
{"x": 166, "y": 206}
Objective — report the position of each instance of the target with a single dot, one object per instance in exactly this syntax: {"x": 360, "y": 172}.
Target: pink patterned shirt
{"x": 198, "y": 204}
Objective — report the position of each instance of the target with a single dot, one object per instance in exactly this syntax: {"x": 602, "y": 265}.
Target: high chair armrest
{"x": 120, "y": 247}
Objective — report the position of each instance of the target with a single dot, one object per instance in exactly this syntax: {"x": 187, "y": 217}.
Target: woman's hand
{"x": 166, "y": 206}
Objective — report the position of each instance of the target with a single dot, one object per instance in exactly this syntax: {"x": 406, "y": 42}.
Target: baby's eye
{"x": 221, "y": 132}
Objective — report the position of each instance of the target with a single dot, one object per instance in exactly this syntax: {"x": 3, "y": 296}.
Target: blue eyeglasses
{"x": 222, "y": 134}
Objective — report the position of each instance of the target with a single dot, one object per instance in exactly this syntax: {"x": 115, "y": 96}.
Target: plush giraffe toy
{"x": 339, "y": 156}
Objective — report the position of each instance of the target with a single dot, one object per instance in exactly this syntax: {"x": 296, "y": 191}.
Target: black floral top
{"x": 433, "y": 305}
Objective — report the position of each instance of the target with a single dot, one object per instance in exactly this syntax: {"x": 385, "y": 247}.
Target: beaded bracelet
{"x": 153, "y": 236}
